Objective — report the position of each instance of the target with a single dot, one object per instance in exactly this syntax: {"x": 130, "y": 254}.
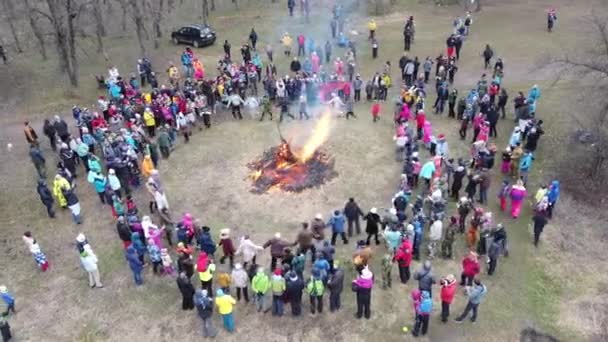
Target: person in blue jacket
{"x": 525, "y": 164}
{"x": 135, "y": 264}
{"x": 337, "y": 222}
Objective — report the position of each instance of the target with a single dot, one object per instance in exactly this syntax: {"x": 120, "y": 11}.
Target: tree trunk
{"x": 236, "y": 4}
{"x": 125, "y": 9}
{"x": 157, "y": 16}
{"x": 57, "y": 19}
{"x": 72, "y": 14}
{"x": 100, "y": 30}
{"x": 139, "y": 25}
{"x": 36, "y": 29}
{"x": 10, "y": 16}
{"x": 213, "y": 5}
{"x": 205, "y": 11}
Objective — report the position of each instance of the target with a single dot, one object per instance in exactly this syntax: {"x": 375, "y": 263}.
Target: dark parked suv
{"x": 197, "y": 35}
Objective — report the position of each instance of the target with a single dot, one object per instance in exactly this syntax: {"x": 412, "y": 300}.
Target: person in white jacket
{"x": 240, "y": 279}
{"x": 89, "y": 262}
{"x": 435, "y": 234}
{"x": 248, "y": 249}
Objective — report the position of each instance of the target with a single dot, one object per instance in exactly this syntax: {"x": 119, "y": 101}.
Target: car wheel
{"x": 175, "y": 41}
{"x": 196, "y": 44}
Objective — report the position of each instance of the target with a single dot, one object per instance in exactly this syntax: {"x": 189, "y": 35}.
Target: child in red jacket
{"x": 448, "y": 290}
{"x": 376, "y": 111}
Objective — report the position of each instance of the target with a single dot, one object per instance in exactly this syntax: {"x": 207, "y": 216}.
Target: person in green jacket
{"x": 278, "y": 286}
{"x": 315, "y": 289}
{"x": 260, "y": 285}
{"x": 164, "y": 142}
{"x": 266, "y": 107}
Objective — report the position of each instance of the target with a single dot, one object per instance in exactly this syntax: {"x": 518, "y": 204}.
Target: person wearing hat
{"x": 448, "y": 291}
{"x": 372, "y": 226}
{"x": 316, "y": 289}
{"x": 240, "y": 280}
{"x": 425, "y": 277}
{"x": 277, "y": 246}
{"x": 260, "y": 284}
{"x": 423, "y": 313}
{"x": 278, "y": 286}
{"x": 335, "y": 284}
{"x": 8, "y": 300}
{"x": 204, "y": 307}
{"x": 449, "y": 237}
{"x": 187, "y": 290}
{"x": 225, "y": 303}
{"x": 494, "y": 252}
{"x": 227, "y": 246}
{"x": 88, "y": 259}
{"x": 362, "y": 285}
{"x": 470, "y": 269}
{"x": 114, "y": 182}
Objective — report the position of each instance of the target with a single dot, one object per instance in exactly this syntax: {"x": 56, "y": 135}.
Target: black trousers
{"x": 49, "y": 209}
{"x": 353, "y": 222}
{"x": 208, "y": 285}
{"x": 363, "y": 302}
{"x": 296, "y": 306}
{"x": 492, "y": 265}
{"x": 334, "y": 301}
{"x": 334, "y": 235}
{"x": 404, "y": 274}
{"x": 312, "y": 250}
{"x": 357, "y": 95}
{"x": 273, "y": 262}
{"x": 493, "y": 130}
{"x": 236, "y": 112}
{"x": 421, "y": 326}
{"x": 537, "y": 233}
{"x": 316, "y": 304}
{"x": 375, "y": 235}
{"x": 445, "y": 311}
{"x": 245, "y": 293}
{"x": 465, "y": 279}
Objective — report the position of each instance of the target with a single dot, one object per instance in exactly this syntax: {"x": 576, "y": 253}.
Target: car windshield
{"x": 205, "y": 30}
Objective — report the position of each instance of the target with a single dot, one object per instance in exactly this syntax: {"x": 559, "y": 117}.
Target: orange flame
{"x": 319, "y": 136}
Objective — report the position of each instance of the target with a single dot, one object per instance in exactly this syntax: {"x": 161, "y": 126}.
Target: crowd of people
{"x": 119, "y": 145}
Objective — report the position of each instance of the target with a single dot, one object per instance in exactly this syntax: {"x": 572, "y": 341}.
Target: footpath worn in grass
{"x": 208, "y": 178}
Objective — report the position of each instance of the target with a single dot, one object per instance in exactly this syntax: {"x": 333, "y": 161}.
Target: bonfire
{"x": 294, "y": 169}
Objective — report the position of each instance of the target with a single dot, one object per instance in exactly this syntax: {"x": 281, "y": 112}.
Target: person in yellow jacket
{"x": 149, "y": 121}
{"x": 206, "y": 277}
{"x": 286, "y": 40}
{"x": 315, "y": 289}
{"x": 260, "y": 285}
{"x": 225, "y": 303}
{"x": 278, "y": 286}
{"x": 147, "y": 166}
{"x": 60, "y": 185}
{"x": 372, "y": 26}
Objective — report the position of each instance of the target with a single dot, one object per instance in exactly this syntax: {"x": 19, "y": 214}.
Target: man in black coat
{"x": 185, "y": 287}
{"x": 294, "y": 289}
{"x": 492, "y": 118}
{"x": 46, "y": 197}
{"x": 352, "y": 213}
{"x": 124, "y": 231}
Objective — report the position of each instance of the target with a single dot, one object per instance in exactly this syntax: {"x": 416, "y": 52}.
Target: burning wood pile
{"x": 294, "y": 170}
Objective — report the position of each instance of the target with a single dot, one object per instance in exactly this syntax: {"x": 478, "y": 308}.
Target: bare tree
{"x": 100, "y": 29}
{"x": 213, "y": 5}
{"x": 205, "y": 12}
{"x": 590, "y": 66}
{"x": 236, "y": 4}
{"x": 33, "y": 18}
{"x": 125, "y": 9}
{"x": 61, "y": 16}
{"x": 139, "y": 24}
{"x": 156, "y": 7}
{"x": 9, "y": 10}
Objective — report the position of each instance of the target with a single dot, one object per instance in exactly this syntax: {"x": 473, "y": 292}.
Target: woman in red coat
{"x": 403, "y": 257}
{"x": 448, "y": 290}
{"x": 470, "y": 268}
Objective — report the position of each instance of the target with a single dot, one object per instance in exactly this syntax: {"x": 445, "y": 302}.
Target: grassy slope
{"x": 523, "y": 293}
